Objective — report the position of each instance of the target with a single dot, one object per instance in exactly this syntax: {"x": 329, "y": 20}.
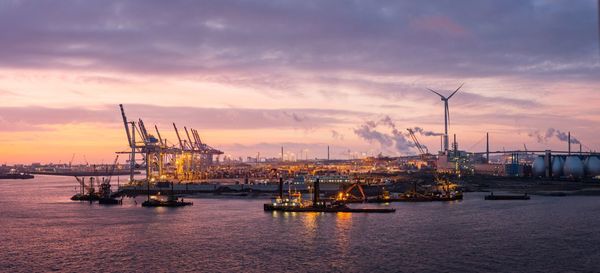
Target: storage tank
{"x": 539, "y": 167}
{"x": 592, "y": 166}
{"x": 573, "y": 167}
{"x": 557, "y": 166}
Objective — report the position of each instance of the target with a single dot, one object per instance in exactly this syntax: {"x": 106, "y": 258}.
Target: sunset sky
{"x": 252, "y": 76}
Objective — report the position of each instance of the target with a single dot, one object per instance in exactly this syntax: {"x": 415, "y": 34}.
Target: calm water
{"x": 42, "y": 230}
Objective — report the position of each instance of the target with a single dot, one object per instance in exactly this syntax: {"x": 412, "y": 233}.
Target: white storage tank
{"x": 592, "y": 166}
{"x": 557, "y": 166}
{"x": 539, "y": 167}
{"x": 573, "y": 167}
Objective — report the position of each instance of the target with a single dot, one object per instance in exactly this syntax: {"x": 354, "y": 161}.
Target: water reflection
{"x": 343, "y": 225}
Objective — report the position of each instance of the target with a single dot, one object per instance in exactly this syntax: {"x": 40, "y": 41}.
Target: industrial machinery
{"x": 164, "y": 162}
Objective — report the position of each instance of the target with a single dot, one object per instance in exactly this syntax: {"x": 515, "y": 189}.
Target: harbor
{"x": 221, "y": 224}
{"x": 299, "y": 136}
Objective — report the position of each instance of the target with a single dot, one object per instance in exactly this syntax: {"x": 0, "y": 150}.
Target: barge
{"x": 172, "y": 200}
{"x": 294, "y": 203}
{"x": 492, "y": 196}
{"x": 12, "y": 175}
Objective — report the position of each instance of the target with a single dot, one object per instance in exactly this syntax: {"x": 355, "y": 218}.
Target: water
{"x": 41, "y": 230}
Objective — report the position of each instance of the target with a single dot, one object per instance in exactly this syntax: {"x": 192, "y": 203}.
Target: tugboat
{"x": 296, "y": 204}
{"x": 172, "y": 200}
{"x": 91, "y": 194}
{"x": 106, "y": 195}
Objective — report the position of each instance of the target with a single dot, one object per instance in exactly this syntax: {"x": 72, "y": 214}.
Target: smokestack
{"x": 580, "y": 150}
{"x": 281, "y": 187}
{"x": 548, "y": 163}
{"x": 487, "y": 147}
{"x": 455, "y": 145}
{"x": 569, "y": 141}
{"x": 281, "y": 153}
{"x": 327, "y": 152}
{"x": 316, "y": 192}
{"x": 445, "y": 142}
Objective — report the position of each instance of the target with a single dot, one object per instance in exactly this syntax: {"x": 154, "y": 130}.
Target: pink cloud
{"x": 440, "y": 25}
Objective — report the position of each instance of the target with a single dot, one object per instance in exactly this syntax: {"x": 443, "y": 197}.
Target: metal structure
{"x": 446, "y": 113}
{"x": 422, "y": 148}
{"x": 164, "y": 162}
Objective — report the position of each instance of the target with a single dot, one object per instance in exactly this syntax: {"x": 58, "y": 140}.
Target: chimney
{"x": 569, "y": 141}
{"x": 281, "y": 187}
{"x": 316, "y": 192}
{"x": 487, "y": 147}
{"x": 455, "y": 145}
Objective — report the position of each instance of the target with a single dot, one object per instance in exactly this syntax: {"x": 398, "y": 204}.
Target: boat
{"x": 105, "y": 194}
{"x": 493, "y": 196}
{"x": 447, "y": 192}
{"x": 322, "y": 207}
{"x": 172, "y": 200}
{"x": 87, "y": 193}
{"x": 15, "y": 175}
{"x": 85, "y": 197}
{"x": 110, "y": 201}
{"x": 294, "y": 203}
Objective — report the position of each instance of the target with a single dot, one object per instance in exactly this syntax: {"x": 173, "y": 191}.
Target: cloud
{"x": 290, "y": 149}
{"x": 217, "y": 37}
{"x": 205, "y": 118}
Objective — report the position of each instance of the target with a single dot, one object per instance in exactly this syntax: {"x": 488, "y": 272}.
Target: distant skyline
{"x": 252, "y": 76}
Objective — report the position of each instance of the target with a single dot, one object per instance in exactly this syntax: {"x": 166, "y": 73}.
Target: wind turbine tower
{"x": 446, "y": 113}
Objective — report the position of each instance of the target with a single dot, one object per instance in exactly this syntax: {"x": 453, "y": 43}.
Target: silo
{"x": 573, "y": 167}
{"x": 592, "y": 166}
{"x": 557, "y": 166}
{"x": 539, "y": 167}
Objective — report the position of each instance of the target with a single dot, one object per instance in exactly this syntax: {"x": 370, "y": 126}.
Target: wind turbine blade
{"x": 455, "y": 91}
{"x": 436, "y": 93}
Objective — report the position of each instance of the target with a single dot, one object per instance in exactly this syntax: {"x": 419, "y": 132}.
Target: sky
{"x": 252, "y": 76}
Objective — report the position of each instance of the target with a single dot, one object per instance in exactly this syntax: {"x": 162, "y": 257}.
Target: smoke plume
{"x": 551, "y": 133}
{"x": 422, "y": 132}
{"x": 337, "y": 135}
{"x": 395, "y": 139}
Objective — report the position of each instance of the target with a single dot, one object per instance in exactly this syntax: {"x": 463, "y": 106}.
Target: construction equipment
{"x": 347, "y": 195}
{"x": 422, "y": 148}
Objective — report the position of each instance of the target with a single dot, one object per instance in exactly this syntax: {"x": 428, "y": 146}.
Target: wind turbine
{"x": 446, "y": 113}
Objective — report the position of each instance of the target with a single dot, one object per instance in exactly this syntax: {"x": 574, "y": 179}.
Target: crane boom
{"x": 112, "y": 170}
{"x": 197, "y": 138}
{"x": 159, "y": 137}
{"x": 131, "y": 144}
{"x": 189, "y": 139}
{"x": 143, "y": 131}
{"x": 178, "y": 137}
{"x": 417, "y": 143}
